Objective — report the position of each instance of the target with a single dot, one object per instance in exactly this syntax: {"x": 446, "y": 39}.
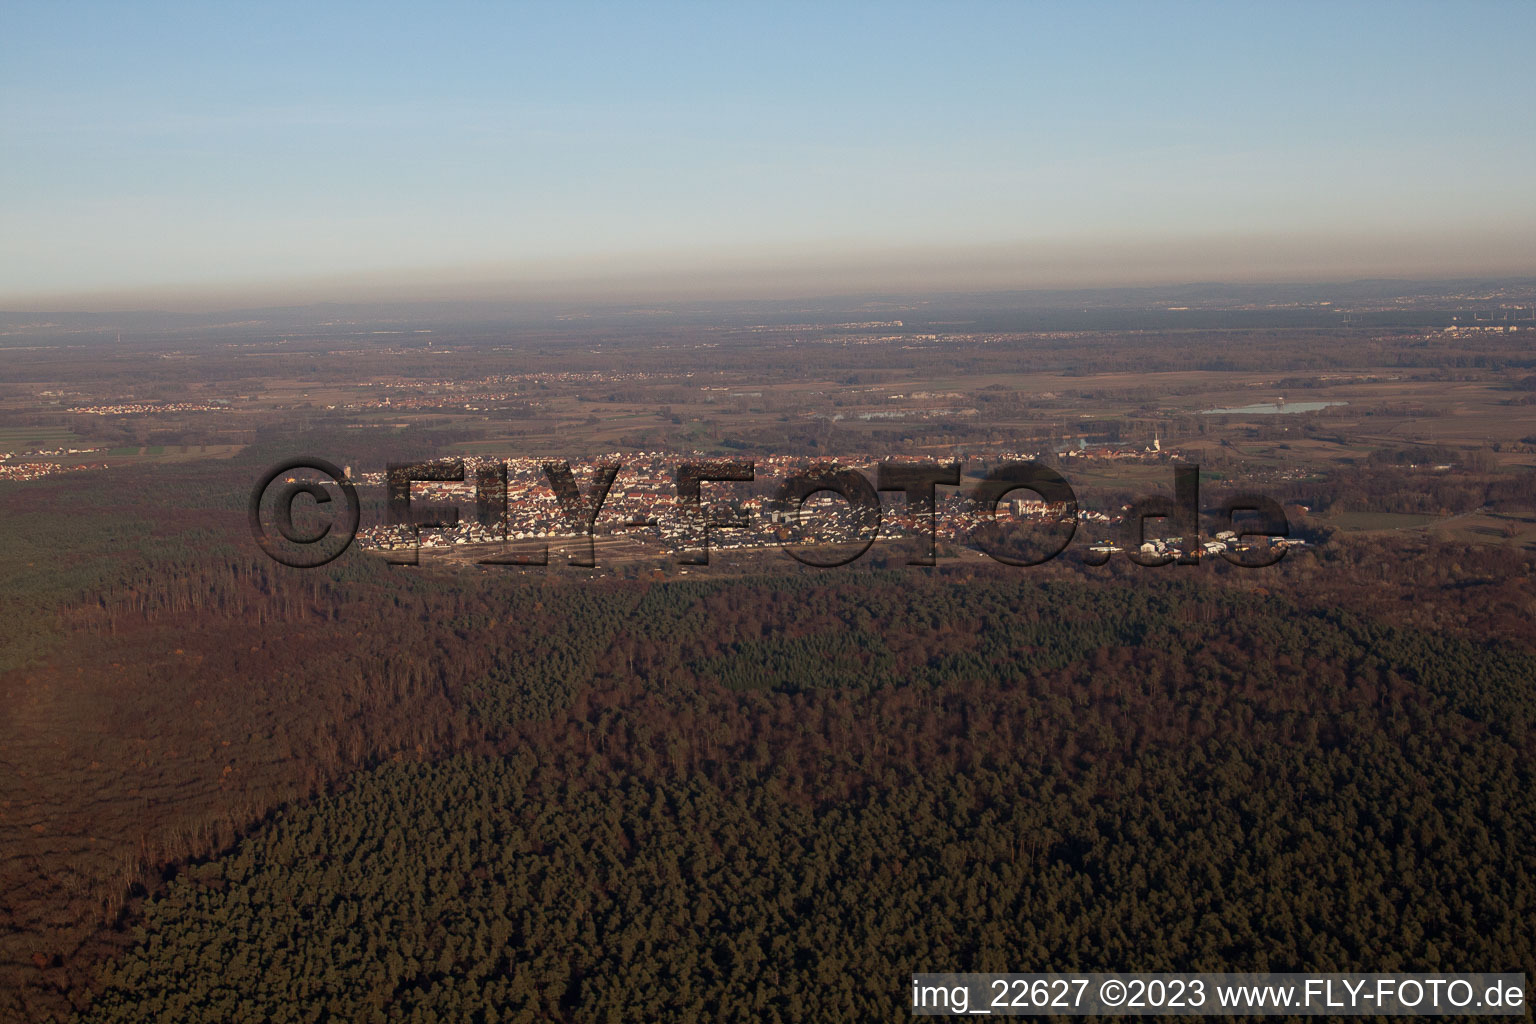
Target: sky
{"x": 174, "y": 154}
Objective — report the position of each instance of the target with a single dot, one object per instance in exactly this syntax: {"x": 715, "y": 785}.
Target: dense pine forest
{"x": 696, "y": 853}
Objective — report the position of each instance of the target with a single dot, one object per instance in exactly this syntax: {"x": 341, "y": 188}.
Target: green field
{"x": 21, "y": 439}
{"x": 1383, "y": 520}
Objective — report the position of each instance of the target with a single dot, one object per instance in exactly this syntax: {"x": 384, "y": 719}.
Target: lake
{"x": 1270, "y": 408}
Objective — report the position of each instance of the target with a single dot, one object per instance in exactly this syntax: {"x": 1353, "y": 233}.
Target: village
{"x": 641, "y": 506}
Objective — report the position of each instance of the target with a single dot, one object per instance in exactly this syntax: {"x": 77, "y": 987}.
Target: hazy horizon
{"x": 184, "y": 158}
{"x": 978, "y": 272}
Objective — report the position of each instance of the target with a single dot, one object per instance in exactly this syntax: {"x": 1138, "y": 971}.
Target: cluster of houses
{"x": 476, "y": 395}
{"x": 43, "y": 453}
{"x": 1224, "y": 541}
{"x": 641, "y": 504}
{"x": 1152, "y": 453}
{"x": 38, "y": 470}
{"x": 33, "y": 465}
{"x": 140, "y": 408}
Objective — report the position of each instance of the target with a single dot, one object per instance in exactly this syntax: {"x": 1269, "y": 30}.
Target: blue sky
{"x": 166, "y": 149}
